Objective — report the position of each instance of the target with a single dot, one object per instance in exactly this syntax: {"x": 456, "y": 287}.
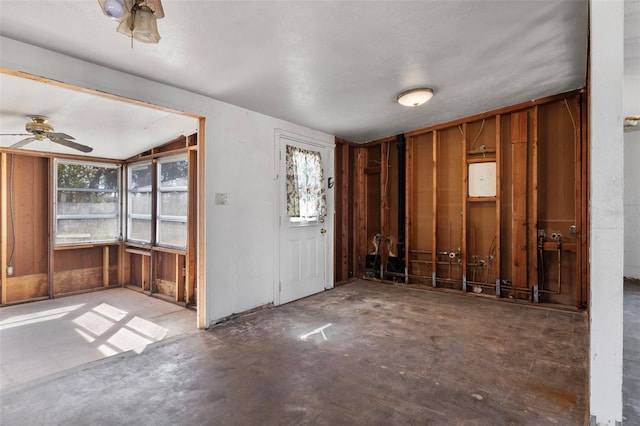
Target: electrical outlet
{"x": 9, "y": 270}
{"x": 222, "y": 199}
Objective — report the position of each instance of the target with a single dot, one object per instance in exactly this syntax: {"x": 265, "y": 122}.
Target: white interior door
{"x": 303, "y": 240}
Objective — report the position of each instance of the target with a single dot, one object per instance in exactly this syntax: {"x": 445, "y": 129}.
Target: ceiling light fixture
{"x": 138, "y": 18}
{"x": 415, "y": 97}
{"x": 114, "y": 9}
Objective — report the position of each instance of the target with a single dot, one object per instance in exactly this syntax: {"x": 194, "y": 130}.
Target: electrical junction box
{"x": 482, "y": 179}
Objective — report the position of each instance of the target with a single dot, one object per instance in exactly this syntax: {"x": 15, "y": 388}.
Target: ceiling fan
{"x": 137, "y": 18}
{"x": 39, "y": 129}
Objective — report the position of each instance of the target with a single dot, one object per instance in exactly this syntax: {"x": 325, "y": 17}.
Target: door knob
{"x": 323, "y": 231}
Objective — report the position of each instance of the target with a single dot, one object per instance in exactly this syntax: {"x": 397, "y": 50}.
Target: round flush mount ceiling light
{"x": 415, "y": 97}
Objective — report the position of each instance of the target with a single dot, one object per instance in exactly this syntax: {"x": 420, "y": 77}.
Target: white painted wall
{"x": 631, "y": 106}
{"x": 606, "y": 246}
{"x": 239, "y": 157}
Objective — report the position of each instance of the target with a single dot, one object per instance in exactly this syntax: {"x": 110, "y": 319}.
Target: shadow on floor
{"x": 42, "y": 338}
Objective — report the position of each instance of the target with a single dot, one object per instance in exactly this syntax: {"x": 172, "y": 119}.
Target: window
{"x": 306, "y": 199}
{"x": 172, "y": 201}
{"x": 87, "y": 202}
{"x": 139, "y": 202}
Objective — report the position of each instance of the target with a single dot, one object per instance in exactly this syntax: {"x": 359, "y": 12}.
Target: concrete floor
{"x": 631, "y": 365}
{"x": 363, "y": 353}
{"x": 42, "y": 338}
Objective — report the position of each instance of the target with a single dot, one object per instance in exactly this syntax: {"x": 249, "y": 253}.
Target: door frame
{"x": 329, "y": 219}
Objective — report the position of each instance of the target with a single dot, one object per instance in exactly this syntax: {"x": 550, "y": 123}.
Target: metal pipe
{"x": 559, "y": 263}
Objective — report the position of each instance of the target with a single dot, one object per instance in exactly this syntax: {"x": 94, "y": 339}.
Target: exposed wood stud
{"x": 533, "y": 213}
{"x": 519, "y": 123}
{"x": 105, "y": 266}
{"x": 464, "y": 192}
{"x": 4, "y": 193}
{"x": 498, "y": 257}
{"x": 434, "y": 238}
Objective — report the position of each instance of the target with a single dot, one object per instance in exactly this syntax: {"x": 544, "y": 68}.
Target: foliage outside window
{"x": 172, "y": 201}
{"x": 87, "y": 202}
{"x": 139, "y": 202}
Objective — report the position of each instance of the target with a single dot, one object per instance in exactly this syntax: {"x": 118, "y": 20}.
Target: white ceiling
{"x": 114, "y": 129}
{"x": 328, "y": 65}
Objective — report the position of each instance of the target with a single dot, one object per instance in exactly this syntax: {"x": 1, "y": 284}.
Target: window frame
{"x": 133, "y": 216}
{"x": 159, "y": 189}
{"x": 89, "y": 216}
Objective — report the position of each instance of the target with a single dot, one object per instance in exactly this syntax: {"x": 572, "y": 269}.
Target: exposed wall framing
{"x": 39, "y": 269}
{"x": 494, "y": 204}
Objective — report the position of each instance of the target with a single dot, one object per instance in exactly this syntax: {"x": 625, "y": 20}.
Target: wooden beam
{"x": 359, "y": 217}
{"x": 105, "y": 266}
{"x": 434, "y": 237}
{"x": 384, "y": 201}
{"x": 497, "y": 259}
{"x": 92, "y": 92}
{"x": 533, "y": 211}
{"x": 409, "y": 194}
{"x": 519, "y": 123}
{"x": 4, "y": 193}
{"x": 464, "y": 191}
{"x": 506, "y": 110}
{"x": 343, "y": 201}
{"x": 179, "y": 278}
{"x": 51, "y": 220}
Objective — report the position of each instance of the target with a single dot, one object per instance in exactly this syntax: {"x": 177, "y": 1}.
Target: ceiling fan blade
{"x": 70, "y": 144}
{"x": 23, "y": 142}
{"x": 15, "y": 134}
{"x": 59, "y": 135}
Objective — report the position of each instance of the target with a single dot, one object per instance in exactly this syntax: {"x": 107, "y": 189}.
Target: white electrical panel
{"x": 482, "y": 179}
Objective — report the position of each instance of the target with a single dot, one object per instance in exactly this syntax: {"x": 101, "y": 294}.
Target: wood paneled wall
{"x": 41, "y": 270}
{"x": 526, "y": 241}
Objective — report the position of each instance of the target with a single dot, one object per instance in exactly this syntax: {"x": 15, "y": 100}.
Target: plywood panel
{"x": 77, "y": 280}
{"x": 519, "y": 123}
{"x": 557, "y": 212}
{"x": 373, "y": 195}
{"x": 28, "y": 200}
{"x": 506, "y": 204}
{"x": 481, "y": 135}
{"x": 421, "y": 232}
{"x": 65, "y": 260}
{"x": 481, "y": 242}
{"x": 26, "y": 287}
{"x": 449, "y": 202}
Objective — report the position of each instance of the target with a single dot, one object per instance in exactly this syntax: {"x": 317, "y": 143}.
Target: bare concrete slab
{"x": 41, "y": 338}
{"x": 361, "y": 354}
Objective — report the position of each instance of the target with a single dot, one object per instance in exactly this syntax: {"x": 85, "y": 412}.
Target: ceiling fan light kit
{"x": 114, "y": 9}
{"x": 138, "y": 19}
{"x": 415, "y": 97}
